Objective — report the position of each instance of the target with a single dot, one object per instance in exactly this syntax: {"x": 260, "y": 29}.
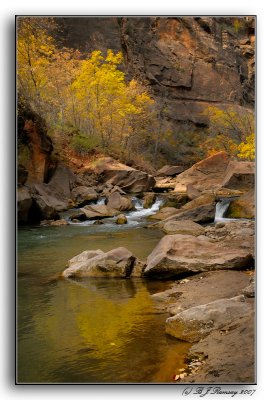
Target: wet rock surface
{"x": 121, "y": 219}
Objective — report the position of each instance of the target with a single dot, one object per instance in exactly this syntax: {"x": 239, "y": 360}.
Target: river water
{"x": 89, "y": 330}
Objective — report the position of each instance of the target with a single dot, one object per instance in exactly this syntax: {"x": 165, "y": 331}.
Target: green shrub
{"x": 84, "y": 145}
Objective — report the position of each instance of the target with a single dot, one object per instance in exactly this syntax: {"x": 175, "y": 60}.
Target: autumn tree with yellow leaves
{"x": 88, "y": 94}
{"x": 232, "y": 130}
{"x": 88, "y": 103}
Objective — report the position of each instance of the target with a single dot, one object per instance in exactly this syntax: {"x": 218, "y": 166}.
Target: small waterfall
{"x": 142, "y": 212}
{"x": 135, "y": 217}
{"x": 221, "y": 208}
{"x": 138, "y": 203}
{"x": 101, "y": 201}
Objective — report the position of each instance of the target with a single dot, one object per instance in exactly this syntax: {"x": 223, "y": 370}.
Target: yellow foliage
{"x": 35, "y": 49}
{"x": 228, "y": 131}
{"x": 247, "y": 148}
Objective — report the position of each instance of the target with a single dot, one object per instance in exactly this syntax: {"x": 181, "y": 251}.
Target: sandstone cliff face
{"x": 34, "y": 147}
{"x": 189, "y": 63}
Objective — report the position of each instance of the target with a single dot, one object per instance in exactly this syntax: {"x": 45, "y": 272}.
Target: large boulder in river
{"x": 82, "y": 195}
{"x": 242, "y": 207}
{"x": 63, "y": 180}
{"x": 118, "y": 202}
{"x": 98, "y": 211}
{"x": 206, "y": 174}
{"x": 117, "y": 263}
{"x": 48, "y": 200}
{"x": 196, "y": 323}
{"x": 201, "y": 209}
{"x": 185, "y": 227}
{"x": 178, "y": 254}
{"x": 129, "y": 179}
{"x": 240, "y": 175}
{"x": 24, "y": 202}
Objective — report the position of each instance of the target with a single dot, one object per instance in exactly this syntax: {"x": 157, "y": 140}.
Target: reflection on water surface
{"x": 89, "y": 330}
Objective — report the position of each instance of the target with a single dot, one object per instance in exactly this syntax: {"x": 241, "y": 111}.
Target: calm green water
{"x": 91, "y": 330}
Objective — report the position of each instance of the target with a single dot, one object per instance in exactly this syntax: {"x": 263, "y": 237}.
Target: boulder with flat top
{"x": 176, "y": 255}
{"x": 98, "y": 211}
{"x": 116, "y": 263}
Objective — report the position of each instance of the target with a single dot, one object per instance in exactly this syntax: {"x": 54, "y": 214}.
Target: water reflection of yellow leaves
{"x": 105, "y": 323}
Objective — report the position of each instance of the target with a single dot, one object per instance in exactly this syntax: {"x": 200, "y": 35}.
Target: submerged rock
{"x": 121, "y": 219}
{"x": 178, "y": 254}
{"x": 116, "y": 263}
{"x": 196, "y": 323}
